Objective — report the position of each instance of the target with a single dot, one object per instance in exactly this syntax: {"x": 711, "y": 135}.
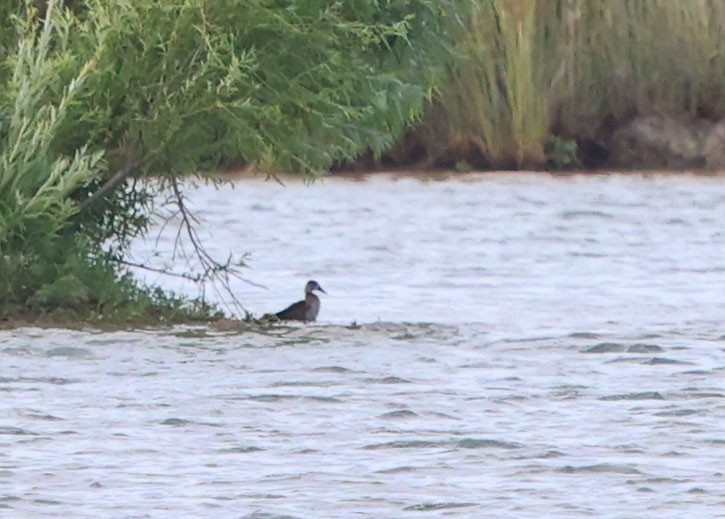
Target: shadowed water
{"x": 524, "y": 346}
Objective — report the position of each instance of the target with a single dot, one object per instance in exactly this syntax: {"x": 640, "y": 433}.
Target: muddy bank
{"x": 646, "y": 142}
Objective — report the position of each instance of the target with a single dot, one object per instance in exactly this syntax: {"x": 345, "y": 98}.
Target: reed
{"x": 489, "y": 99}
{"x": 572, "y": 68}
{"x": 625, "y": 58}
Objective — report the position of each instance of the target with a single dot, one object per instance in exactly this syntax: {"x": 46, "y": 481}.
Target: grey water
{"x": 491, "y": 346}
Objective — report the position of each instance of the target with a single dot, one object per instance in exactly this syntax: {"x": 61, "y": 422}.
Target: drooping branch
{"x": 196, "y": 278}
{"x": 218, "y": 273}
{"x": 118, "y": 177}
{"x": 209, "y": 270}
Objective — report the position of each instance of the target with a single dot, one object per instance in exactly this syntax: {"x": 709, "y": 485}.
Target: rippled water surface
{"x": 522, "y": 346}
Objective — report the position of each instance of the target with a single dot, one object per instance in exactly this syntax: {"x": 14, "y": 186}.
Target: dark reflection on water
{"x": 522, "y": 346}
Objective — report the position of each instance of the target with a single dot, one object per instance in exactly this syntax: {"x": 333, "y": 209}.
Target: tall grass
{"x": 624, "y": 58}
{"x": 533, "y": 68}
{"x": 489, "y": 97}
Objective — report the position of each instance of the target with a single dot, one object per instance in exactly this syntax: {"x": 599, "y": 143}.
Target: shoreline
{"x": 248, "y": 173}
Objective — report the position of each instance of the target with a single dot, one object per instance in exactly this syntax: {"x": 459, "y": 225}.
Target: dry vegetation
{"x": 533, "y": 74}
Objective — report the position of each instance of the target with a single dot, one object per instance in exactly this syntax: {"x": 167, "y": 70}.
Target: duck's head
{"x": 313, "y": 285}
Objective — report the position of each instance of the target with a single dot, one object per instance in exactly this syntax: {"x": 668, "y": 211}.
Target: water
{"x": 523, "y": 346}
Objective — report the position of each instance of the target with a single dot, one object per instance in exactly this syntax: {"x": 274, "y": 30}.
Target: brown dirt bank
{"x": 646, "y": 142}
{"x": 18, "y": 317}
{"x": 658, "y": 142}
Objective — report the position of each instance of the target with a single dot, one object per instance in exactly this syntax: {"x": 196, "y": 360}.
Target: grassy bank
{"x": 544, "y": 83}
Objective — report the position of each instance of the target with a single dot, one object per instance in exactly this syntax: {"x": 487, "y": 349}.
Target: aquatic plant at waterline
{"x": 99, "y": 96}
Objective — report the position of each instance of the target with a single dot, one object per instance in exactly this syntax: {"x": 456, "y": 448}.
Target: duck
{"x": 305, "y": 310}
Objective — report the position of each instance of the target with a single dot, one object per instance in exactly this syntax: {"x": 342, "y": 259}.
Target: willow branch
{"x": 166, "y": 272}
{"x": 111, "y": 183}
{"x": 219, "y": 273}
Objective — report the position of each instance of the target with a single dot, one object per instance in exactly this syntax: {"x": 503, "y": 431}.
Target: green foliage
{"x": 561, "y": 153}
{"x": 299, "y": 84}
{"x": 36, "y": 183}
{"x": 75, "y": 287}
{"x": 462, "y": 166}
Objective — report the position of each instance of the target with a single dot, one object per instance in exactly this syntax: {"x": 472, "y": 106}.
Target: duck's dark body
{"x": 306, "y": 310}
